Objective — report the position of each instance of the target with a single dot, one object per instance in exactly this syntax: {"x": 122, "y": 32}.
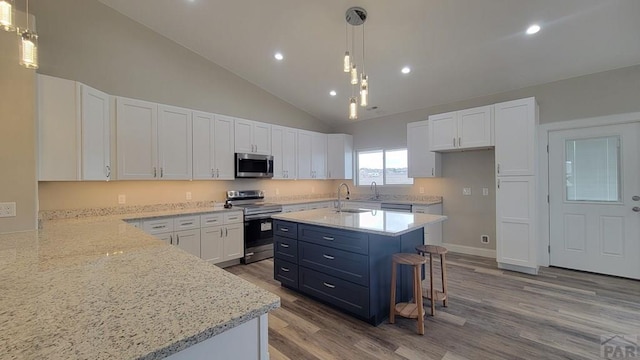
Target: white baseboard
{"x": 488, "y": 253}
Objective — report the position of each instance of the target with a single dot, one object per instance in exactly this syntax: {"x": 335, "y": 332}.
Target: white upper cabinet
{"x": 284, "y": 150}
{"x": 73, "y": 131}
{"x": 304, "y": 154}
{"x": 515, "y": 123}
{"x": 422, "y": 162}
{"x": 212, "y": 146}
{"x": 174, "y": 143}
{"x": 252, "y": 137}
{"x": 339, "y": 156}
{"x": 464, "y": 129}
{"x": 319, "y": 155}
{"x": 137, "y": 139}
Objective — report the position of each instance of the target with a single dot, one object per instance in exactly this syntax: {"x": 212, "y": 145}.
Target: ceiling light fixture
{"x": 355, "y": 16}
{"x": 28, "y": 45}
{"x": 278, "y": 56}
{"x": 7, "y": 15}
{"x": 533, "y": 29}
{"x": 406, "y": 70}
{"x": 333, "y": 93}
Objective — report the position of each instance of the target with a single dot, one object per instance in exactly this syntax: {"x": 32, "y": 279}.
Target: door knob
{"x": 635, "y": 198}
{"x": 636, "y": 209}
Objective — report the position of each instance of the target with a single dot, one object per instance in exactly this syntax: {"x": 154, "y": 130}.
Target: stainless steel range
{"x": 258, "y": 226}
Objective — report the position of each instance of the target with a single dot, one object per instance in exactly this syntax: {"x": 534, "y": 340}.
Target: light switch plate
{"x": 8, "y": 209}
{"x": 466, "y": 191}
{"x": 122, "y": 199}
{"x": 421, "y": 190}
{"x": 188, "y": 195}
{"x": 485, "y": 191}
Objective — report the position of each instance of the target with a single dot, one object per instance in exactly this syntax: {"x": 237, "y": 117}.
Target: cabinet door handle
{"x": 158, "y": 227}
{"x": 284, "y": 245}
{"x": 220, "y": 232}
{"x": 454, "y": 142}
{"x": 161, "y": 172}
{"x": 155, "y": 172}
{"x": 284, "y": 269}
{"x": 330, "y": 286}
{"x": 329, "y": 238}
{"x": 187, "y": 223}
{"x": 108, "y": 171}
{"x": 178, "y": 239}
{"x": 226, "y": 232}
{"x": 498, "y": 183}
{"x": 459, "y": 142}
{"x": 498, "y": 168}
{"x": 328, "y": 257}
{"x": 171, "y": 239}
{"x": 212, "y": 173}
{"x": 284, "y": 229}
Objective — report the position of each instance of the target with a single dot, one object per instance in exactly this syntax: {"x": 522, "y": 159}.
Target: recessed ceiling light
{"x": 278, "y": 56}
{"x": 406, "y": 70}
{"x": 333, "y": 93}
{"x": 533, "y": 29}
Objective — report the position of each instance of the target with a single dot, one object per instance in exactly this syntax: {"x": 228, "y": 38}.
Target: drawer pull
{"x": 420, "y": 211}
{"x": 284, "y": 245}
{"x": 187, "y": 223}
{"x": 233, "y": 218}
{"x": 284, "y": 229}
{"x": 328, "y": 257}
{"x": 160, "y": 227}
{"x": 284, "y": 269}
{"x": 330, "y": 286}
{"x": 329, "y": 238}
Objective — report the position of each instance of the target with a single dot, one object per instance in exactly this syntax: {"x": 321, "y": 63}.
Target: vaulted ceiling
{"x": 457, "y": 49}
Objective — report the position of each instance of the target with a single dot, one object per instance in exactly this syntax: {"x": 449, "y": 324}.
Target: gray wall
{"x": 605, "y": 93}
{"x": 86, "y": 41}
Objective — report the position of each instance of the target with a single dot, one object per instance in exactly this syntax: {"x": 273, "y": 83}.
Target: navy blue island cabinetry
{"x": 348, "y": 269}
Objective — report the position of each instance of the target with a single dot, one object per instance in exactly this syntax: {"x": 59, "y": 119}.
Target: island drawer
{"x": 285, "y": 228}
{"x": 339, "y": 239}
{"x": 342, "y": 264}
{"x": 346, "y": 295}
{"x": 285, "y": 272}
{"x": 285, "y": 248}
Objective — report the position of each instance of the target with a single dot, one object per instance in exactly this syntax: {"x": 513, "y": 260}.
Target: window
{"x": 592, "y": 168}
{"x": 385, "y": 167}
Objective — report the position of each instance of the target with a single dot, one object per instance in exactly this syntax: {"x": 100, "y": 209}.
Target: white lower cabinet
{"x": 433, "y": 232}
{"x": 211, "y": 244}
{"x": 189, "y": 241}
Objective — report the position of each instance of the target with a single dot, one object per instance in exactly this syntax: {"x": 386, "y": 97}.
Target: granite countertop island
{"x": 98, "y": 288}
{"x": 381, "y": 222}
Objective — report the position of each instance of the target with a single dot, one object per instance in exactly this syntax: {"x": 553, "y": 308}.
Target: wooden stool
{"x": 413, "y": 310}
{"x": 435, "y": 294}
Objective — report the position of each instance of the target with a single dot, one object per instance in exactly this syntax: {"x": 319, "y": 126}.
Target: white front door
{"x": 594, "y": 189}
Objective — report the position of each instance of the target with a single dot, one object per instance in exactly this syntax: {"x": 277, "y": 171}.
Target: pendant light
{"x": 355, "y": 16}
{"x": 28, "y": 46}
{"x": 353, "y": 108}
{"x": 347, "y": 59}
{"x": 364, "y": 91}
{"x": 7, "y": 15}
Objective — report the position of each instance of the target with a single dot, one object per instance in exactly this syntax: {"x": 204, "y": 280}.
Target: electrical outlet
{"x": 8, "y": 209}
{"x": 188, "y": 195}
{"x": 277, "y": 191}
{"x": 484, "y": 239}
{"x": 485, "y": 191}
{"x": 421, "y": 190}
{"x": 466, "y": 191}
{"x": 122, "y": 199}
{"x": 313, "y": 190}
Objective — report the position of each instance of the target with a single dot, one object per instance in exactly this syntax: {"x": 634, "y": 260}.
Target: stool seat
{"x": 408, "y": 310}
{"x": 431, "y": 249}
{"x": 408, "y": 259}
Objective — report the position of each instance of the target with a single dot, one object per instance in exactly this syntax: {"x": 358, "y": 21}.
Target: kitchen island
{"x": 344, "y": 258}
{"x": 98, "y": 288}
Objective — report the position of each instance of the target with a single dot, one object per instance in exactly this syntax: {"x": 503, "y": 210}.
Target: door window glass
{"x": 592, "y": 168}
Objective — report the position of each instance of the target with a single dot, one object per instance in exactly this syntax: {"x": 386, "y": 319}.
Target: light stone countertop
{"x": 98, "y": 288}
{"x": 383, "y": 199}
{"x": 382, "y": 222}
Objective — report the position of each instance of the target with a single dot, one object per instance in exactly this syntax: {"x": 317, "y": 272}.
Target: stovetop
{"x": 252, "y": 202}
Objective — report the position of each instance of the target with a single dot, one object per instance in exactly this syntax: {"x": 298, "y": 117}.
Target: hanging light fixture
{"x": 7, "y": 15}
{"x": 28, "y": 46}
{"x": 355, "y": 16}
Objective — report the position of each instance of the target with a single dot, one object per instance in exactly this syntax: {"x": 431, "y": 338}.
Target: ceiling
{"x": 457, "y": 49}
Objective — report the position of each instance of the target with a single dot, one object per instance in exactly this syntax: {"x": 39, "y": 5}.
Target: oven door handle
{"x": 258, "y": 216}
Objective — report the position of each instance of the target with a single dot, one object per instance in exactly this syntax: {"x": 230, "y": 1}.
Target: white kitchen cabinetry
{"x": 284, "y": 149}
{"x": 225, "y": 241}
{"x": 312, "y": 155}
{"x": 174, "y": 143}
{"x": 464, "y": 129}
{"x": 422, "y": 161}
{"x": 73, "y": 130}
{"x": 189, "y": 241}
{"x": 137, "y": 139}
{"x": 213, "y": 146}
{"x": 339, "y": 156}
{"x": 516, "y": 210}
{"x": 515, "y": 126}
{"x": 432, "y": 232}
{"x": 181, "y": 231}
{"x": 252, "y": 137}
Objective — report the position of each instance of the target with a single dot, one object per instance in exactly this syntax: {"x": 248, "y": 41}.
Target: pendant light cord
{"x": 363, "y": 72}
{"x": 27, "y": 15}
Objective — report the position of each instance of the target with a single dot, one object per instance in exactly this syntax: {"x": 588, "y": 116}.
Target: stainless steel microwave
{"x": 254, "y": 166}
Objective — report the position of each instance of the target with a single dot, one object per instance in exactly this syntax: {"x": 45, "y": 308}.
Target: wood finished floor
{"x": 492, "y": 314}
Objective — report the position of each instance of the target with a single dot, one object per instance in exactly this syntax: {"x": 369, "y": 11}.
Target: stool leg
{"x": 433, "y": 297}
{"x": 392, "y": 306}
{"x": 417, "y": 288}
{"x": 443, "y": 269}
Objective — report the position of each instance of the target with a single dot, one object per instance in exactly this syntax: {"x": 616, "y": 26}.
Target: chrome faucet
{"x": 347, "y": 198}
{"x": 374, "y": 189}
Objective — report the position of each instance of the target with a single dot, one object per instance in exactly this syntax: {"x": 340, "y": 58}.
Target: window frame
{"x": 384, "y": 167}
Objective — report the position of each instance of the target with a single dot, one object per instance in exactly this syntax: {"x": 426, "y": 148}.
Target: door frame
{"x": 543, "y": 167}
